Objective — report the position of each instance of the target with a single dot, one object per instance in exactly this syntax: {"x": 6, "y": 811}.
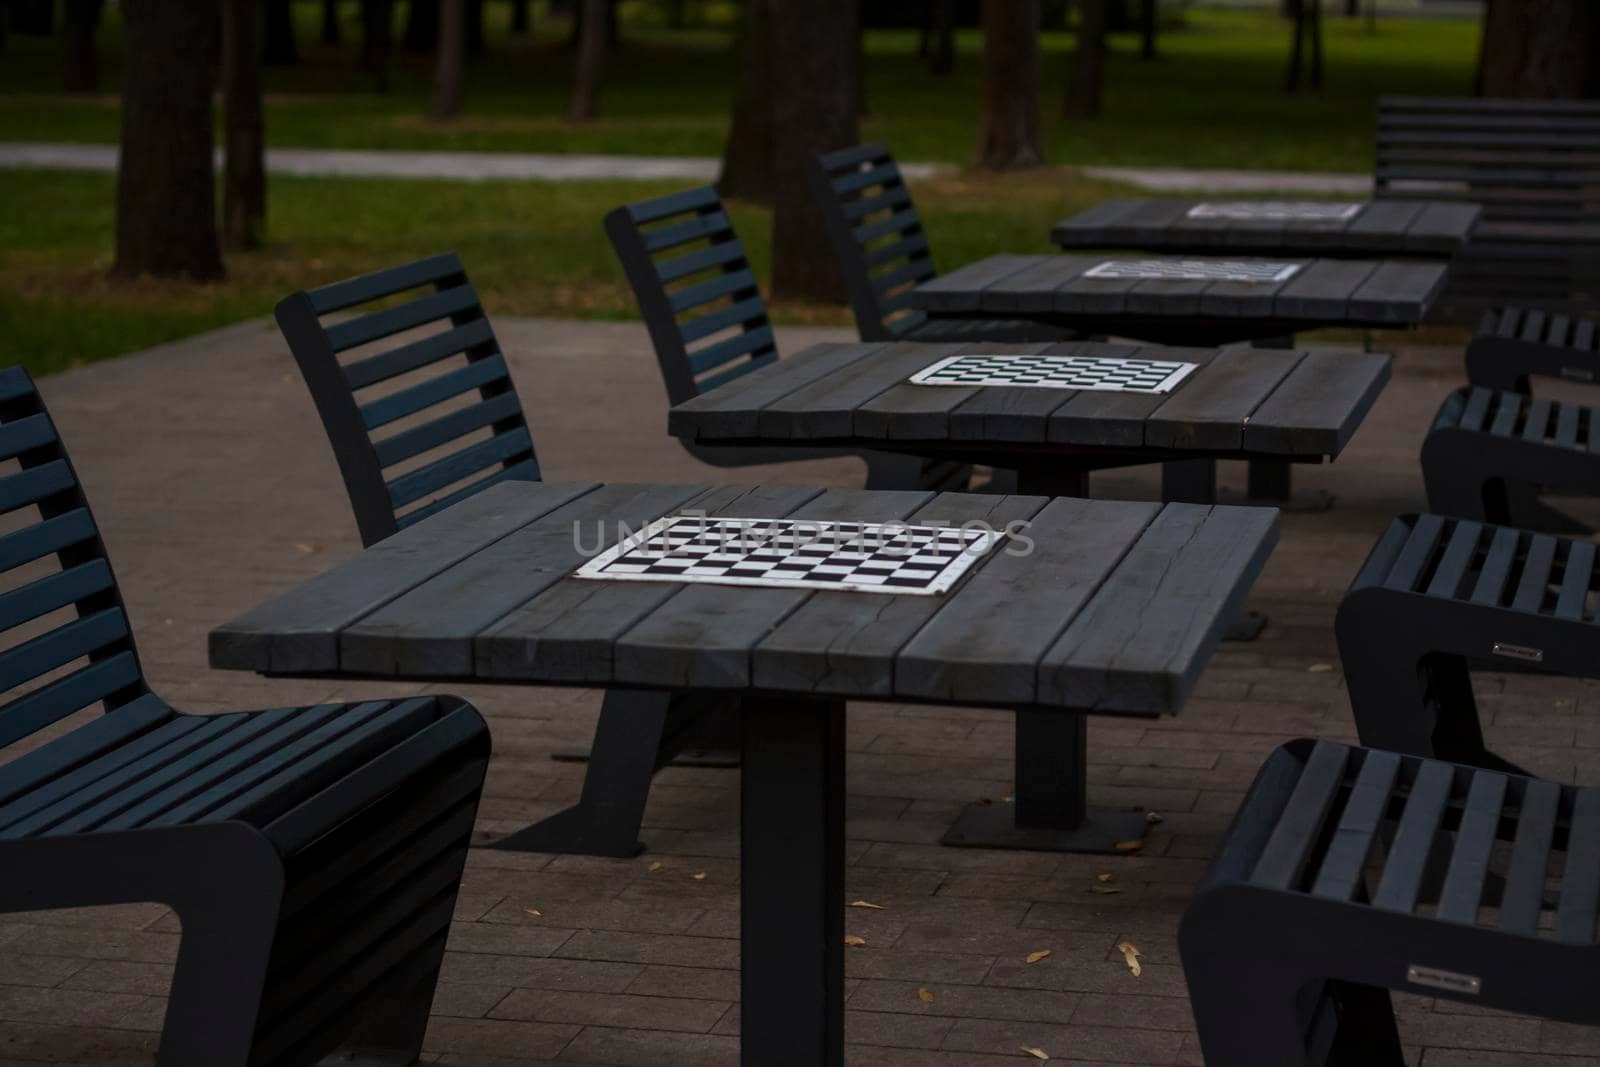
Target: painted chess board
{"x": 1194, "y": 270}
{"x": 1102, "y": 373}
{"x": 1276, "y": 210}
{"x": 863, "y": 557}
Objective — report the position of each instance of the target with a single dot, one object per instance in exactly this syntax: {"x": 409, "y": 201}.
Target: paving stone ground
{"x": 215, "y": 488}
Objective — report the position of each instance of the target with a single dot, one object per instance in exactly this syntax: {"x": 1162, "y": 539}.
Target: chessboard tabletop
{"x": 1249, "y": 402}
{"x": 1110, "y": 605}
{"x": 1338, "y": 229}
{"x": 1251, "y": 296}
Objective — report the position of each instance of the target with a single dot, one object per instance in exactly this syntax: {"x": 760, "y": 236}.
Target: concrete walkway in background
{"x": 557, "y": 167}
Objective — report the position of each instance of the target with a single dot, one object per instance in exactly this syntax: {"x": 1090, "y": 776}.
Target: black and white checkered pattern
{"x": 1276, "y": 210}
{"x": 1194, "y": 270}
{"x": 794, "y": 554}
{"x": 1104, "y": 373}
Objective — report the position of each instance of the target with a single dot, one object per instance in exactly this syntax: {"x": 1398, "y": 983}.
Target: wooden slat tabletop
{"x": 1321, "y": 292}
{"x": 1114, "y": 607}
{"x": 1271, "y": 402}
{"x": 1413, "y": 228}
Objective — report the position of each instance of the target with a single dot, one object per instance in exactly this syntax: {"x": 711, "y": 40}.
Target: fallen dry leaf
{"x": 866, "y": 904}
{"x": 1106, "y": 876}
{"x": 1105, "y": 889}
{"x": 699, "y": 876}
{"x": 657, "y": 866}
{"x": 1129, "y": 846}
{"x": 1152, "y": 817}
{"x": 1131, "y": 953}
{"x": 535, "y": 912}
{"x": 853, "y": 941}
{"x": 1036, "y": 1053}
{"x": 308, "y": 549}
{"x": 1035, "y": 957}
{"x": 925, "y": 996}
{"x": 1320, "y": 668}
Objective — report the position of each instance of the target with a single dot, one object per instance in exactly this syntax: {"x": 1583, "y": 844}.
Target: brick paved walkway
{"x": 205, "y": 460}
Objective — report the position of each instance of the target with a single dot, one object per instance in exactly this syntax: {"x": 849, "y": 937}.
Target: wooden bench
{"x": 312, "y": 854}
{"x": 1533, "y": 165}
{"x": 1514, "y": 345}
{"x": 1491, "y": 452}
{"x": 883, "y": 253}
{"x": 1351, "y": 872}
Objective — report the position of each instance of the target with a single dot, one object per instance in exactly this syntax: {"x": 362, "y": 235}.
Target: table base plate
{"x": 994, "y": 826}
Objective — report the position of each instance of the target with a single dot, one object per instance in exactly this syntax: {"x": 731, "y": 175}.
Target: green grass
{"x": 1213, "y": 99}
{"x": 532, "y": 249}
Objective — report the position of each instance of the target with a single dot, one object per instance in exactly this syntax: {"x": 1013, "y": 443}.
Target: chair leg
{"x": 392, "y": 1033}
{"x": 1384, "y": 679}
{"x": 1367, "y": 1035}
{"x": 1247, "y": 1014}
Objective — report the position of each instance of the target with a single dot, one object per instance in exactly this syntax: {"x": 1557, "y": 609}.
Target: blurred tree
{"x": 1540, "y": 48}
{"x": 330, "y": 21}
{"x": 80, "y": 69}
{"x": 422, "y": 26}
{"x": 1149, "y": 18}
{"x": 1086, "y": 82}
{"x": 1307, "y": 16}
{"x": 447, "y": 69}
{"x": 813, "y": 98}
{"x": 519, "y": 17}
{"x": 591, "y": 61}
{"x": 941, "y": 54}
{"x": 280, "y": 48}
{"x": 377, "y": 39}
{"x": 244, "y": 175}
{"x": 166, "y": 199}
{"x": 474, "y": 29}
{"x": 1008, "y": 125}
{"x": 747, "y": 156}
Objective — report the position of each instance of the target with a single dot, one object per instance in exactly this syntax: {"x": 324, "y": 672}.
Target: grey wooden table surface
{"x": 1113, "y": 609}
{"x": 1237, "y": 403}
{"x": 1316, "y": 293}
{"x": 1333, "y": 229}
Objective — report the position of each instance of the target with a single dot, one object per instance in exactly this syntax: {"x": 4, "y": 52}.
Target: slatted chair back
{"x": 1534, "y": 166}
{"x": 66, "y": 643}
{"x": 418, "y": 425}
{"x": 696, "y": 290}
{"x": 876, "y": 235}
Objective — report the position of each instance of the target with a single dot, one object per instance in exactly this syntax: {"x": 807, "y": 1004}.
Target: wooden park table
{"x": 1087, "y": 607}
{"x": 1423, "y": 229}
{"x": 1049, "y": 412}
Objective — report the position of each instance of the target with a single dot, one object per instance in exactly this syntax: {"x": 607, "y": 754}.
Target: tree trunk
{"x": 747, "y": 172}
{"x": 1149, "y": 18}
{"x": 813, "y": 111}
{"x": 244, "y": 175}
{"x": 519, "y": 17}
{"x": 1540, "y": 49}
{"x": 590, "y": 65}
{"x": 80, "y": 71}
{"x": 280, "y": 48}
{"x": 1086, "y": 85}
{"x": 422, "y": 26}
{"x": 1307, "y": 16}
{"x": 942, "y": 60}
{"x": 1008, "y": 126}
{"x": 377, "y": 41}
{"x": 166, "y": 204}
{"x": 330, "y": 21}
{"x": 447, "y": 72}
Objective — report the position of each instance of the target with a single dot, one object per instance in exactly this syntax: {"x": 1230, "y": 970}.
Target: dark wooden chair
{"x": 1351, "y": 872}
{"x": 1514, "y": 345}
{"x": 1490, "y": 453}
{"x": 883, "y": 253}
{"x": 312, "y": 854}
{"x": 1438, "y": 596}
{"x": 443, "y": 404}
{"x": 1532, "y": 165}
{"x": 708, "y": 323}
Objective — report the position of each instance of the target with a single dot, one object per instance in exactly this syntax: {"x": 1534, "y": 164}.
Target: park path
{"x": 486, "y": 166}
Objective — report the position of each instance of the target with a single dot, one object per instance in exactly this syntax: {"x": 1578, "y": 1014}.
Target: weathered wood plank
{"x": 960, "y": 290}
{"x": 1441, "y": 228}
{"x": 1208, "y": 411}
{"x": 566, "y": 633}
{"x": 428, "y": 631}
{"x": 1319, "y": 405}
{"x": 702, "y": 638}
{"x": 1398, "y": 292}
{"x": 827, "y": 408}
{"x": 1322, "y": 291}
{"x": 1139, "y": 645}
{"x": 844, "y": 643}
{"x": 981, "y": 644}
{"x": 1093, "y": 296}
{"x": 730, "y": 410}
{"x": 1117, "y": 420}
{"x": 1011, "y": 414}
{"x": 298, "y": 632}
{"x": 1382, "y": 225}
{"x": 1244, "y": 299}
{"x": 1098, "y": 227}
{"x": 1032, "y": 291}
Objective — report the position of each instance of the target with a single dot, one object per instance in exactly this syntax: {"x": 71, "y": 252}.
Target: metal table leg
{"x": 1050, "y": 810}
{"x": 791, "y": 894}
